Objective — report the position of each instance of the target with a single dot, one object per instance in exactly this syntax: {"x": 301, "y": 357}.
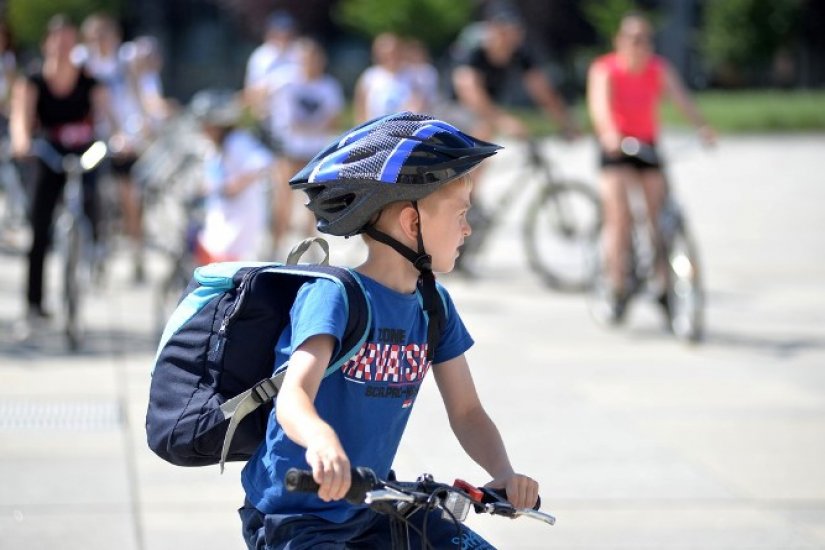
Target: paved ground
{"x": 639, "y": 442}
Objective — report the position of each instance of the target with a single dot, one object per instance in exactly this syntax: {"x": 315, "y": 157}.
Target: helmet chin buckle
{"x": 424, "y": 262}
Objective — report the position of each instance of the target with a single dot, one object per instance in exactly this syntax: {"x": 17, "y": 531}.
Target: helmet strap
{"x": 426, "y": 280}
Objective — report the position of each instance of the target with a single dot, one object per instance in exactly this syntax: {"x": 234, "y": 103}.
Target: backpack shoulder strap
{"x": 359, "y": 319}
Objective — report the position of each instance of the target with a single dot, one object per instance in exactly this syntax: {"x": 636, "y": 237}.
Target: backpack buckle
{"x": 265, "y": 391}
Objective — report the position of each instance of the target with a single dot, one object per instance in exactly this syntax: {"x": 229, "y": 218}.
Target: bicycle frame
{"x": 536, "y": 170}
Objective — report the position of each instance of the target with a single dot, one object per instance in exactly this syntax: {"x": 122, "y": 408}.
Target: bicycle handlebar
{"x": 367, "y": 488}
{"x": 60, "y": 163}
{"x": 363, "y": 481}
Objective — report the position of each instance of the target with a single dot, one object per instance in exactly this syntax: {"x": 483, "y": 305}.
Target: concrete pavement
{"x": 638, "y": 441}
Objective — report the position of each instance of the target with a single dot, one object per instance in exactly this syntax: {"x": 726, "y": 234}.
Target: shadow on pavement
{"x": 51, "y": 343}
{"x": 784, "y": 347}
{"x": 778, "y": 346}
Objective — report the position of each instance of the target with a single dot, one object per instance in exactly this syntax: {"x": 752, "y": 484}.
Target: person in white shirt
{"x": 144, "y": 56}
{"x": 386, "y": 87}
{"x": 423, "y": 74}
{"x": 276, "y": 58}
{"x": 106, "y": 59}
{"x": 307, "y": 111}
{"x": 235, "y": 177}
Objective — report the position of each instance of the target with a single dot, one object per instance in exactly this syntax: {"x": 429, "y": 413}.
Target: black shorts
{"x": 647, "y": 159}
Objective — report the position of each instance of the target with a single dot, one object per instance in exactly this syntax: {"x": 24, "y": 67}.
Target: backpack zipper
{"x": 242, "y": 288}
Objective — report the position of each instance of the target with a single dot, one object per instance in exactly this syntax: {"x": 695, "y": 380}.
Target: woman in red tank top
{"x": 624, "y": 91}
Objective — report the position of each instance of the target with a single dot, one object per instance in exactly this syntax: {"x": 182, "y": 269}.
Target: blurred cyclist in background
{"x": 307, "y": 109}
{"x": 144, "y": 56}
{"x": 236, "y": 172}
{"x": 59, "y": 101}
{"x": 480, "y": 76}
{"x": 496, "y": 52}
{"x": 624, "y": 92}
{"x": 109, "y": 61}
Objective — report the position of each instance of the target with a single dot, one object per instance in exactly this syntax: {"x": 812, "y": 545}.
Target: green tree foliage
{"x": 29, "y": 18}
{"x": 434, "y": 22}
{"x": 747, "y": 32}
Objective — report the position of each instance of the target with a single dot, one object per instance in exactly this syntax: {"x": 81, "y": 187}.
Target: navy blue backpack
{"x": 213, "y": 385}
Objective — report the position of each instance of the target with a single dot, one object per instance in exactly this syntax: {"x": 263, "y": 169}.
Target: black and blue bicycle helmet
{"x": 398, "y": 157}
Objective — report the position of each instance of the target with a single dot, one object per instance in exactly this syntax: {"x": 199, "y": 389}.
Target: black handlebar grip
{"x": 300, "y": 481}
{"x": 502, "y": 494}
{"x": 362, "y": 480}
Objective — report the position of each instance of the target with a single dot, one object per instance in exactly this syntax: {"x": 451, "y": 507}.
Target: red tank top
{"x": 634, "y": 96}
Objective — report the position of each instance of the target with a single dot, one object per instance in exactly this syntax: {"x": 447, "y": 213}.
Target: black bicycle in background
{"x": 73, "y": 231}
{"x": 559, "y": 230}
{"x": 401, "y": 499}
{"x": 684, "y": 293}
{"x": 170, "y": 173}
{"x": 14, "y": 202}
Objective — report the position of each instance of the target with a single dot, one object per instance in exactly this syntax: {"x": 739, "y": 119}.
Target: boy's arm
{"x": 478, "y": 434}
{"x": 296, "y": 413}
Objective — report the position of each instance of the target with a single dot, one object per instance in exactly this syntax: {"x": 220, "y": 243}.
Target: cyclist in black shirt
{"x": 480, "y": 77}
{"x": 60, "y": 102}
{"x": 479, "y": 81}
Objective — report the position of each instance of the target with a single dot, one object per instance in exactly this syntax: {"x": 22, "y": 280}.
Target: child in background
{"x": 236, "y": 172}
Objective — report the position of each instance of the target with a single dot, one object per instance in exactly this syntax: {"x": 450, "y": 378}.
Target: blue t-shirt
{"x": 367, "y": 401}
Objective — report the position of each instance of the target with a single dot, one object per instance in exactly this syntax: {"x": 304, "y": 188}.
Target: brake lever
{"x": 494, "y": 496}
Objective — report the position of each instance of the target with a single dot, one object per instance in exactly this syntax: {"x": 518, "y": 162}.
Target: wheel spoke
{"x": 561, "y": 232}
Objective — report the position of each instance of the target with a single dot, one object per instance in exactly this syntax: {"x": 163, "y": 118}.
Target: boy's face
{"x": 444, "y": 219}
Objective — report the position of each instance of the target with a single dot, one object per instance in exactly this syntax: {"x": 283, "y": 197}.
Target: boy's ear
{"x": 408, "y": 220}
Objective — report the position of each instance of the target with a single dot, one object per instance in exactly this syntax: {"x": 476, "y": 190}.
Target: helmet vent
{"x": 336, "y": 204}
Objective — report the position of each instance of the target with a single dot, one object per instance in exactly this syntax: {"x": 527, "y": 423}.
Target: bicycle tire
{"x": 561, "y": 231}
{"x": 686, "y": 295}
{"x": 72, "y": 286}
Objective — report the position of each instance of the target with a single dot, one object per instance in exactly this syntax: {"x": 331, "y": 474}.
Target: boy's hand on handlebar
{"x": 522, "y": 491}
{"x": 330, "y": 466}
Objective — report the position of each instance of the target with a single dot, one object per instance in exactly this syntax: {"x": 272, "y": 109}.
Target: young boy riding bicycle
{"x": 403, "y": 181}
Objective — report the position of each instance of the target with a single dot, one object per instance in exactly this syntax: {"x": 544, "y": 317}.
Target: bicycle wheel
{"x": 561, "y": 232}
{"x": 76, "y": 278}
{"x": 604, "y": 305}
{"x": 686, "y": 296}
